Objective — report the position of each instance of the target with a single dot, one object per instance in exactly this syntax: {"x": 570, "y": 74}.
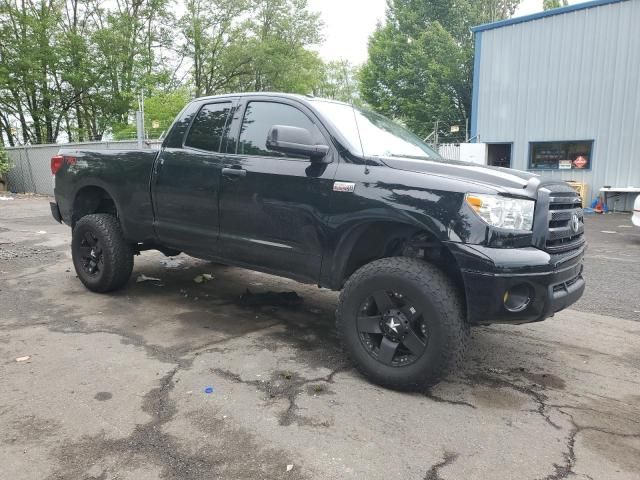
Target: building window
{"x": 573, "y": 155}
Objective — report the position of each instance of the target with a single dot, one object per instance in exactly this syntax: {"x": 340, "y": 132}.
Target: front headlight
{"x": 503, "y": 212}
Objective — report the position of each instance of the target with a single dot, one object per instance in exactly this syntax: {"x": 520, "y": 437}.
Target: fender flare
{"x": 334, "y": 271}
{"x": 103, "y": 186}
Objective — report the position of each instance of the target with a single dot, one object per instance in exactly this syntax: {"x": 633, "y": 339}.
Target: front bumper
{"x": 554, "y": 281}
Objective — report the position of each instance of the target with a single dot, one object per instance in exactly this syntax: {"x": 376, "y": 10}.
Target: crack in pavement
{"x": 439, "y": 399}
{"x": 434, "y": 472}
{"x": 581, "y": 408}
{"x": 564, "y": 470}
{"x": 65, "y": 322}
{"x": 284, "y": 385}
{"x": 539, "y": 398}
{"x": 150, "y": 444}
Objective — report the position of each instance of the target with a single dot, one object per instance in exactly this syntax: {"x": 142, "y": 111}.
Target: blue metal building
{"x": 558, "y": 93}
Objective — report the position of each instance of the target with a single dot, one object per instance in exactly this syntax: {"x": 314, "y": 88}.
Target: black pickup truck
{"x": 326, "y": 193}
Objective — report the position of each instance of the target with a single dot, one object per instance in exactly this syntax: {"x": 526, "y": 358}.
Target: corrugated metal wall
{"x": 572, "y": 76}
{"x": 31, "y": 172}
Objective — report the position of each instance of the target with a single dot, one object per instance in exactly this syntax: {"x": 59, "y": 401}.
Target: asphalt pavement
{"x": 174, "y": 379}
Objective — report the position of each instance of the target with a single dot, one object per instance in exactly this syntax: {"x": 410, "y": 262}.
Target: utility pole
{"x": 140, "y": 120}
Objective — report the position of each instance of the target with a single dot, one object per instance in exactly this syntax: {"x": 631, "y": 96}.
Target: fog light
{"x": 517, "y": 298}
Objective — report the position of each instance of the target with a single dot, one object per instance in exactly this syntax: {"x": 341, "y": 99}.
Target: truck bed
{"x": 124, "y": 174}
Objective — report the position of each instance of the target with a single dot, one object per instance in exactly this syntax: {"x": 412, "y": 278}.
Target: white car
{"x": 636, "y": 212}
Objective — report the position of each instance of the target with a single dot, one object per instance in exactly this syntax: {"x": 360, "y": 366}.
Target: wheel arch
{"x": 93, "y": 198}
{"x": 373, "y": 240}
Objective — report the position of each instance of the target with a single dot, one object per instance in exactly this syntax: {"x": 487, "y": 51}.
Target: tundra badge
{"x": 344, "y": 186}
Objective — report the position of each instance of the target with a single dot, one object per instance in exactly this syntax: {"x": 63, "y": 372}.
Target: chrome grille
{"x": 564, "y": 206}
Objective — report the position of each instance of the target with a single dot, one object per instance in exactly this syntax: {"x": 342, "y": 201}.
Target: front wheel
{"x": 101, "y": 256}
{"x": 402, "y": 324}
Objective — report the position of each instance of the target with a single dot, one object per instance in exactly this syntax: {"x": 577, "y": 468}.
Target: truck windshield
{"x": 372, "y": 134}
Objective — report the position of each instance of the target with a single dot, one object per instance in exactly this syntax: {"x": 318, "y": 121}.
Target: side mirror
{"x": 296, "y": 141}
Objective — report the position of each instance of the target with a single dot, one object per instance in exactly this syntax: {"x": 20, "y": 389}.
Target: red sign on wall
{"x": 580, "y": 162}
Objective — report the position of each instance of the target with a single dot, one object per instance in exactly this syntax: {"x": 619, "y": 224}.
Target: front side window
{"x": 258, "y": 120}
{"x": 208, "y": 127}
{"x": 570, "y": 155}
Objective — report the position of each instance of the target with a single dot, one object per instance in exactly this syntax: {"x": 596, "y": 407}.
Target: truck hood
{"x": 500, "y": 178}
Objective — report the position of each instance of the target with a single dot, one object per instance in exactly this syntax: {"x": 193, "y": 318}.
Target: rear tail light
{"x": 58, "y": 161}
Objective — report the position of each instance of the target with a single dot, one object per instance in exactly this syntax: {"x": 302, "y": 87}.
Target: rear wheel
{"x": 401, "y": 321}
{"x": 101, "y": 256}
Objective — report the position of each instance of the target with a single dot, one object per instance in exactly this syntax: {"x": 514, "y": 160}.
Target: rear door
{"x": 186, "y": 182}
{"x": 273, "y": 206}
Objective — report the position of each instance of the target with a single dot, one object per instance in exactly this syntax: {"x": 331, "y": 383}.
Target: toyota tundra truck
{"x": 322, "y": 192}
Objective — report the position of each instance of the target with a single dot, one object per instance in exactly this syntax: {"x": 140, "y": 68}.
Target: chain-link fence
{"x": 31, "y": 172}
{"x": 448, "y": 132}
{"x": 446, "y": 137}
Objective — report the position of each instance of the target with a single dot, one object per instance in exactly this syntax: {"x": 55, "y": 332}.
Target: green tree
{"x": 77, "y": 65}
{"x": 30, "y": 77}
{"x": 81, "y": 70}
{"x": 415, "y": 79}
{"x": 125, "y": 43}
{"x": 339, "y": 82}
{"x": 279, "y": 33}
{"x": 73, "y": 69}
{"x": 420, "y": 60}
{"x": 214, "y": 43}
{"x": 5, "y": 165}
{"x": 257, "y": 45}
{"x": 494, "y": 10}
{"x": 551, "y": 4}
{"x": 160, "y": 109}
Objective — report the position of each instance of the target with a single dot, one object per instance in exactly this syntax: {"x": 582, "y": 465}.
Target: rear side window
{"x": 258, "y": 120}
{"x": 208, "y": 127}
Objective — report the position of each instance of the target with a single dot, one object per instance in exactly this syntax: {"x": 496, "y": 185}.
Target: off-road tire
{"x": 117, "y": 254}
{"x": 449, "y": 332}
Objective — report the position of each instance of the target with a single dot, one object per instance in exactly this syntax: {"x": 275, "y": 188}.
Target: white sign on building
{"x": 474, "y": 153}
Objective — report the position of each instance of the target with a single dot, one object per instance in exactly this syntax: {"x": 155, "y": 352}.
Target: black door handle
{"x": 236, "y": 172}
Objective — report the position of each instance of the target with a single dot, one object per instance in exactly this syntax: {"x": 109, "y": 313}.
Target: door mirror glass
{"x": 295, "y": 141}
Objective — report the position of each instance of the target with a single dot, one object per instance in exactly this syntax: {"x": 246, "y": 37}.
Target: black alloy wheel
{"x": 102, "y": 256}
{"x": 401, "y": 321}
{"x": 91, "y": 254}
{"x": 392, "y": 328}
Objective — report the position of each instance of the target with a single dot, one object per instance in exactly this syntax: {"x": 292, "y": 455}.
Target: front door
{"x": 186, "y": 183}
{"x": 272, "y": 205}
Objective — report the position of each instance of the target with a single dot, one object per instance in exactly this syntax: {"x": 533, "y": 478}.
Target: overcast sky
{"x": 348, "y": 24}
